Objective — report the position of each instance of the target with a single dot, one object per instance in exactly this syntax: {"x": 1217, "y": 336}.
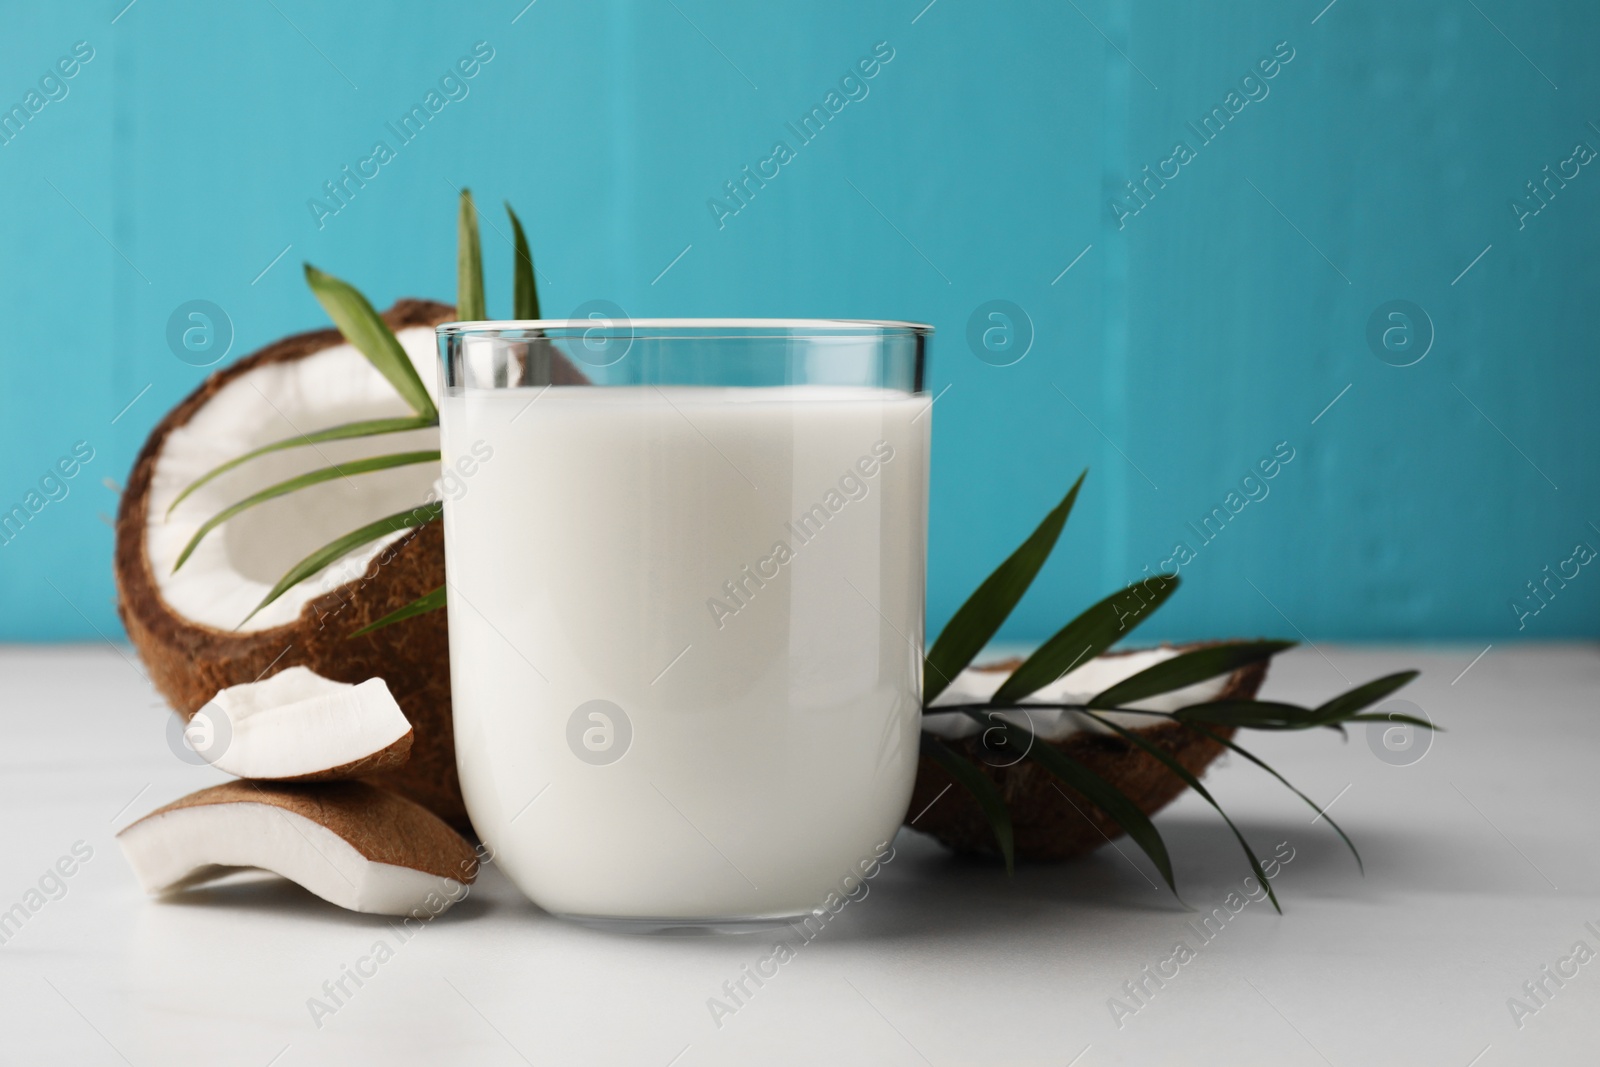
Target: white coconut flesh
{"x": 177, "y": 849}
{"x": 974, "y": 686}
{"x": 239, "y": 562}
{"x": 297, "y": 724}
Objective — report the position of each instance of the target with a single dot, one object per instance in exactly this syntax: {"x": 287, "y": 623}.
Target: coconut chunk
{"x": 350, "y": 843}
{"x": 300, "y": 726}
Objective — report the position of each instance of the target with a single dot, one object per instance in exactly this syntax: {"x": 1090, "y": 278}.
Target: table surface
{"x": 1481, "y": 870}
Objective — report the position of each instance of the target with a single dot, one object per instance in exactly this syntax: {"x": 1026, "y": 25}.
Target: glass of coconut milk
{"x": 686, "y": 564}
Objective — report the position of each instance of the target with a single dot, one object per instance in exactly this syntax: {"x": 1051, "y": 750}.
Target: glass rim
{"x": 721, "y": 328}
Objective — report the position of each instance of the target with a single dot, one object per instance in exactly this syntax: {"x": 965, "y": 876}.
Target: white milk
{"x": 740, "y": 572}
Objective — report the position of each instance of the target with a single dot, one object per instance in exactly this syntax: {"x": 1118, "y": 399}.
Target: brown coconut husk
{"x": 383, "y": 827}
{"x": 1050, "y": 820}
{"x": 189, "y": 662}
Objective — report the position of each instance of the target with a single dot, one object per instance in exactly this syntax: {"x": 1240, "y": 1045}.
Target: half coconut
{"x": 1051, "y": 821}
{"x": 194, "y": 627}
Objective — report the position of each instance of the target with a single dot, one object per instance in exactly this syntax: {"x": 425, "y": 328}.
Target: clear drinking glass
{"x": 686, "y": 565}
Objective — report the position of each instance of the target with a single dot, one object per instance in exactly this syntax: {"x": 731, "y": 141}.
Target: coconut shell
{"x": 189, "y": 662}
{"x": 1047, "y": 824}
{"x": 381, "y": 826}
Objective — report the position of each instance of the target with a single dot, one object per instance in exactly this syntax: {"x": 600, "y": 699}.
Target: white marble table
{"x": 1481, "y": 869}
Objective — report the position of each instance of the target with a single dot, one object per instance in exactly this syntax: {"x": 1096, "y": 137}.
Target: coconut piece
{"x": 184, "y": 625}
{"x": 350, "y": 843}
{"x": 1050, "y": 820}
{"x": 301, "y": 727}
{"x": 187, "y": 626}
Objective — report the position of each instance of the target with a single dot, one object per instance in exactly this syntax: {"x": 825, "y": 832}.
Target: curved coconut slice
{"x": 184, "y": 625}
{"x": 350, "y": 843}
{"x": 300, "y": 726}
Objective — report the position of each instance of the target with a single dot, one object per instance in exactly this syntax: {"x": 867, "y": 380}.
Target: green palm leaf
{"x": 983, "y": 791}
{"x": 365, "y": 329}
{"x": 1219, "y": 739}
{"x": 1255, "y": 714}
{"x": 1194, "y": 783}
{"x": 469, "y": 263}
{"x": 977, "y": 620}
{"x": 322, "y": 474}
{"x": 421, "y": 606}
{"x": 404, "y": 520}
{"x": 1099, "y": 792}
{"x": 1268, "y": 715}
{"x": 1392, "y": 716}
{"x": 1343, "y": 708}
{"x": 524, "y": 289}
{"x": 368, "y": 428}
{"x": 1085, "y": 637}
{"x": 1186, "y": 669}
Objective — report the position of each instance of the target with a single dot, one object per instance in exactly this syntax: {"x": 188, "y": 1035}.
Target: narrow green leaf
{"x": 1085, "y": 637}
{"x": 1393, "y": 716}
{"x": 1257, "y": 714}
{"x": 1341, "y": 708}
{"x": 977, "y": 620}
{"x": 421, "y": 606}
{"x": 403, "y": 520}
{"x": 322, "y": 474}
{"x": 469, "y": 264}
{"x": 983, "y": 791}
{"x": 524, "y": 289}
{"x": 1219, "y": 739}
{"x": 369, "y": 428}
{"x": 1194, "y": 783}
{"x": 1187, "y": 668}
{"x": 366, "y": 330}
{"x": 1099, "y": 792}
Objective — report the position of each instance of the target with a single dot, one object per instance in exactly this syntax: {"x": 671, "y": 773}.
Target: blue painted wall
{"x": 1189, "y": 339}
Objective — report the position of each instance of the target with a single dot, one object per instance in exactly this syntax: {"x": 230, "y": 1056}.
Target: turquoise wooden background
{"x": 1184, "y": 344}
